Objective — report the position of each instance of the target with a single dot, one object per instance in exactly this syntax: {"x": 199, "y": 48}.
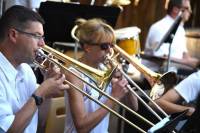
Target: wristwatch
{"x": 38, "y": 99}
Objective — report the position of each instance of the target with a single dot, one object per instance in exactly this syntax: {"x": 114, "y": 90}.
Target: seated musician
{"x": 187, "y": 90}
{"x": 179, "y": 52}
{"x": 84, "y": 115}
{"x": 21, "y": 35}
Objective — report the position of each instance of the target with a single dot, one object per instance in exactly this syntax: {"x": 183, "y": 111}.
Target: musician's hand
{"x": 117, "y": 74}
{"x": 191, "y": 110}
{"x": 119, "y": 88}
{"x": 52, "y": 87}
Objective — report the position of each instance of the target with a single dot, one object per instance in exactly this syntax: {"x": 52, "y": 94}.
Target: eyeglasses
{"x": 36, "y": 36}
{"x": 186, "y": 9}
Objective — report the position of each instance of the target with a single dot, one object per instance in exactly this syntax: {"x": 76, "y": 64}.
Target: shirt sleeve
{"x": 189, "y": 88}
{"x": 153, "y": 38}
{"x": 6, "y": 114}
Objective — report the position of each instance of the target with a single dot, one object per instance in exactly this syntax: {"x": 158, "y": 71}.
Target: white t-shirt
{"x": 157, "y": 32}
{"x": 189, "y": 88}
{"x": 16, "y": 87}
{"x": 90, "y": 106}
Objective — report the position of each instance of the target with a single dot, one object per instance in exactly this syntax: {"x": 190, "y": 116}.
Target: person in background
{"x": 184, "y": 96}
{"x": 187, "y": 90}
{"x": 84, "y": 115}
{"x": 179, "y": 52}
{"x": 21, "y": 35}
{"x": 32, "y": 4}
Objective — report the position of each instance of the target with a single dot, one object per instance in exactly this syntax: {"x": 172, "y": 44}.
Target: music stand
{"x": 169, "y": 36}
{"x": 60, "y": 18}
{"x": 171, "y": 124}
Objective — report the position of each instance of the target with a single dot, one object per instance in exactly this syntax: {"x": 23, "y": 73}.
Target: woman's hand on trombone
{"x": 119, "y": 88}
{"x": 121, "y": 92}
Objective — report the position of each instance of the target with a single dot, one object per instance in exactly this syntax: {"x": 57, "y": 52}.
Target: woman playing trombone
{"x": 84, "y": 115}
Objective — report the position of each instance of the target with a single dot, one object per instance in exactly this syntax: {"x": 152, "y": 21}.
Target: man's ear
{"x": 12, "y": 35}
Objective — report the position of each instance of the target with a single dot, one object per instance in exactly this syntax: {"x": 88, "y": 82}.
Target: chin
{"x": 29, "y": 60}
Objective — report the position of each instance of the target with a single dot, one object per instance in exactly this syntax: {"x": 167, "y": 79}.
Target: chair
{"x": 56, "y": 117}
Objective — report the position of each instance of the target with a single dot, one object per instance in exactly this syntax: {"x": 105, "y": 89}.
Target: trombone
{"x": 85, "y": 69}
{"x": 124, "y": 54}
{"x": 150, "y": 74}
{"x": 156, "y": 80}
{"x": 111, "y": 61}
{"x": 64, "y": 58}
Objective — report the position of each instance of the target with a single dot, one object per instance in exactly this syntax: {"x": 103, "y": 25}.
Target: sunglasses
{"x": 105, "y": 46}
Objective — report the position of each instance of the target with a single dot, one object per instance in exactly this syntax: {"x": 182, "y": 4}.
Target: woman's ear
{"x": 86, "y": 48}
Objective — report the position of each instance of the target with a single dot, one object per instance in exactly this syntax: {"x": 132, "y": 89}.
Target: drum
{"x": 193, "y": 42}
{"x": 128, "y": 39}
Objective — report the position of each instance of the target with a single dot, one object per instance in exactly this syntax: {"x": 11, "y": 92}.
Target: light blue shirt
{"x": 16, "y": 87}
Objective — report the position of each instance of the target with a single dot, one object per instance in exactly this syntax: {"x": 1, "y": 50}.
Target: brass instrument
{"x": 101, "y": 78}
{"x": 86, "y": 69}
{"x": 127, "y": 56}
{"x": 118, "y": 2}
{"x": 160, "y": 83}
{"x": 110, "y": 59}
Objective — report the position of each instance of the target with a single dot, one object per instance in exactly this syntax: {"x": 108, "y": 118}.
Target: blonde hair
{"x": 93, "y": 31}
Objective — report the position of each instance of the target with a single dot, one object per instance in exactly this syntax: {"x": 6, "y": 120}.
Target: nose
{"x": 109, "y": 51}
{"x": 41, "y": 42}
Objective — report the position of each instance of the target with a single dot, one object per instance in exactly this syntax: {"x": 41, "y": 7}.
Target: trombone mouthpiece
{"x": 39, "y": 55}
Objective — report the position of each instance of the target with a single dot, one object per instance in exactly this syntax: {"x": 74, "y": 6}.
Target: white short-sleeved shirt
{"x": 157, "y": 32}
{"x": 90, "y": 107}
{"x": 16, "y": 87}
{"x": 189, "y": 88}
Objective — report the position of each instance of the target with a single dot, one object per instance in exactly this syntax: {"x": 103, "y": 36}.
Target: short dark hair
{"x": 17, "y": 17}
{"x": 174, "y": 3}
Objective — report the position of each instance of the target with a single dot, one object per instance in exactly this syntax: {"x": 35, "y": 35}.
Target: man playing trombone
{"x": 21, "y": 35}
{"x": 84, "y": 115}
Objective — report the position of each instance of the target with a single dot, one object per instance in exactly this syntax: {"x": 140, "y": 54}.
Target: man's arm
{"x": 168, "y": 102}
{"x": 192, "y": 61}
{"x": 23, "y": 116}
{"x": 49, "y": 87}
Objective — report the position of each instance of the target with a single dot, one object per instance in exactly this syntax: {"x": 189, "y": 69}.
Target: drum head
{"x": 127, "y": 32}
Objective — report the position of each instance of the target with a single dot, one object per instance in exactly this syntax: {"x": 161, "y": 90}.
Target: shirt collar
{"x": 7, "y": 68}
{"x": 169, "y": 18}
